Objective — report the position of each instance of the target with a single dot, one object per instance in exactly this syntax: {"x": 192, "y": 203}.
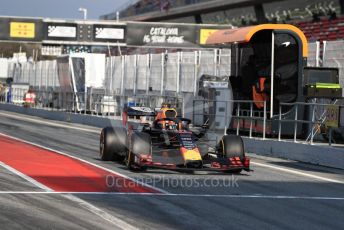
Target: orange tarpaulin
{"x": 259, "y": 98}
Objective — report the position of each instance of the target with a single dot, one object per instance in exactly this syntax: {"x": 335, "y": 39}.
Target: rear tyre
{"x": 141, "y": 143}
{"x": 232, "y": 146}
{"x": 113, "y": 144}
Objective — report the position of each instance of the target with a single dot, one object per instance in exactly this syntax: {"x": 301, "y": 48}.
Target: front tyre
{"x": 113, "y": 144}
{"x": 232, "y": 146}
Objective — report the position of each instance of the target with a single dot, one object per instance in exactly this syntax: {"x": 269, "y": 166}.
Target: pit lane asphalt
{"x": 265, "y": 198}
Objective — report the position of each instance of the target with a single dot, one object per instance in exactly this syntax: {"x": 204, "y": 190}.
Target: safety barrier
{"x": 240, "y": 116}
{"x": 246, "y": 119}
{"x": 319, "y": 115}
{"x": 96, "y": 104}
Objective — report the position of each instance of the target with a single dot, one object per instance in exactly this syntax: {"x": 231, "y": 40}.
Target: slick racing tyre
{"x": 232, "y": 146}
{"x": 113, "y": 144}
{"x": 141, "y": 143}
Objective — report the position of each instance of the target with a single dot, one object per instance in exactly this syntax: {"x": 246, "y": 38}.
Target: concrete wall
{"x": 314, "y": 154}
{"x": 320, "y": 155}
{"x": 63, "y": 116}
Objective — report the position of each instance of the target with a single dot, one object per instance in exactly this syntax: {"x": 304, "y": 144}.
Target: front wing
{"x": 221, "y": 164}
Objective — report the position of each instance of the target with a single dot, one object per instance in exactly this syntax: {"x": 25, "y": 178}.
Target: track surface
{"x": 279, "y": 194}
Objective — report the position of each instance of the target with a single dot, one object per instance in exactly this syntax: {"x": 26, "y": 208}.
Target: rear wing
{"x": 139, "y": 111}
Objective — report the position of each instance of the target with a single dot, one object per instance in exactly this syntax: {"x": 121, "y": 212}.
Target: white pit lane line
{"x": 297, "y": 172}
{"x": 120, "y": 224}
{"x": 50, "y": 123}
{"x": 253, "y": 196}
{"x": 25, "y": 177}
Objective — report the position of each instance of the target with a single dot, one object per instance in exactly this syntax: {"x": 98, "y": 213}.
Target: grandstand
{"x": 319, "y": 19}
{"x": 138, "y": 7}
{"x": 323, "y": 30}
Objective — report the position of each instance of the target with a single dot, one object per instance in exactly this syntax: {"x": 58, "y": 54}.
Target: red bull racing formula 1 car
{"x": 170, "y": 142}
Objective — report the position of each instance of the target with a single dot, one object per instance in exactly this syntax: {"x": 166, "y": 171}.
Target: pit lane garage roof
{"x": 244, "y": 35}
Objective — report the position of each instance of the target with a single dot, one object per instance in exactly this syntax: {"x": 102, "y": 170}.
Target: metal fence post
{"x": 40, "y": 75}
{"x": 135, "y": 73}
{"x": 75, "y": 105}
{"x": 295, "y": 122}
{"x": 215, "y": 62}
{"x": 179, "y": 58}
{"x": 317, "y": 54}
{"x": 162, "y": 73}
{"x": 91, "y": 102}
{"x": 251, "y": 117}
{"x": 108, "y": 114}
{"x": 238, "y": 119}
{"x": 148, "y": 72}
{"x": 193, "y": 109}
{"x": 55, "y": 74}
{"x": 47, "y": 69}
{"x": 29, "y": 77}
{"x": 34, "y": 73}
{"x": 264, "y": 121}
{"x": 313, "y": 116}
{"x": 123, "y": 58}
{"x": 226, "y": 118}
{"x": 324, "y": 52}
{"x": 195, "y": 73}
{"x": 279, "y": 122}
{"x": 272, "y": 74}
{"x": 85, "y": 100}
{"x": 111, "y": 74}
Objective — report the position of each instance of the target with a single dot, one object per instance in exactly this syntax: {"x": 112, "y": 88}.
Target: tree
{"x": 8, "y": 48}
